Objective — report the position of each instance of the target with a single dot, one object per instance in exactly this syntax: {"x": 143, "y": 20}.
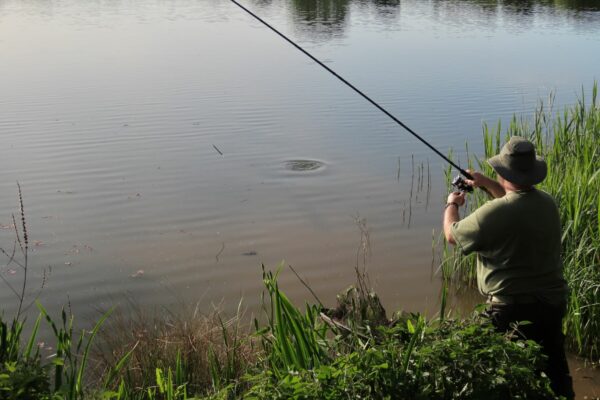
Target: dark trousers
{"x": 546, "y": 330}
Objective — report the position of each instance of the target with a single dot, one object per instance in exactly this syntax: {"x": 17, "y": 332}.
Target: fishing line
{"x": 351, "y": 86}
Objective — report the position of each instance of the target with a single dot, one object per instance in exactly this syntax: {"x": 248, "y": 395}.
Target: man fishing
{"x": 517, "y": 238}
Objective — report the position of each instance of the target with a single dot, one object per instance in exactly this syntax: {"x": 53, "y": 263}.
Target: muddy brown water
{"x": 168, "y": 149}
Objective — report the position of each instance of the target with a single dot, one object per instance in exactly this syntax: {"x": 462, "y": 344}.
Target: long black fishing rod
{"x": 386, "y": 112}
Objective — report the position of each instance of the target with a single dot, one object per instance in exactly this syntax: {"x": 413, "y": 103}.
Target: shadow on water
{"x": 319, "y": 20}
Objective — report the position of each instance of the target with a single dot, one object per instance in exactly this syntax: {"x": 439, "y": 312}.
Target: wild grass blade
{"x": 32, "y": 338}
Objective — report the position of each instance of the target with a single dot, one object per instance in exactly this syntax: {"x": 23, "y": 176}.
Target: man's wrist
{"x": 451, "y": 203}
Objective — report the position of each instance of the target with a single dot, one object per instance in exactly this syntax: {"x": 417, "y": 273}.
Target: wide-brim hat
{"x": 518, "y": 163}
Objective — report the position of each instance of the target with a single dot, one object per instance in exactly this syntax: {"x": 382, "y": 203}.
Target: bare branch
{"x": 11, "y": 257}
{"x": 306, "y": 286}
{"x": 10, "y": 286}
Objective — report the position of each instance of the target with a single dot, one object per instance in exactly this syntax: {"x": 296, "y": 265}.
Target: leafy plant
{"x": 292, "y": 341}
{"x": 406, "y": 358}
{"x": 21, "y": 374}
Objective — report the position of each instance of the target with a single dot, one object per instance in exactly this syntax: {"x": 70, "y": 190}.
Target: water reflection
{"x": 319, "y": 20}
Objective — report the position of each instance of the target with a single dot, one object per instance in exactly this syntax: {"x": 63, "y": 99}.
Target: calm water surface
{"x": 167, "y": 149}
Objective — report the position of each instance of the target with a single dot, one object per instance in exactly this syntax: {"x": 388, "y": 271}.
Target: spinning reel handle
{"x": 460, "y": 185}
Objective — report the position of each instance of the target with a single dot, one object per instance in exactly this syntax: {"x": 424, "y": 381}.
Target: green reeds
{"x": 292, "y": 340}
{"x": 570, "y": 143}
{"x": 71, "y": 357}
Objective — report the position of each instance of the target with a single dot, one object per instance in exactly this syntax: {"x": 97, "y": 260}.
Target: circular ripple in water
{"x": 303, "y": 165}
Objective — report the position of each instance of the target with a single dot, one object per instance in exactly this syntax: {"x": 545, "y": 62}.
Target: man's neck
{"x": 511, "y": 187}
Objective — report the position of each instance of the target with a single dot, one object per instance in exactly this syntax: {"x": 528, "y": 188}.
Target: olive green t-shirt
{"x": 518, "y": 242}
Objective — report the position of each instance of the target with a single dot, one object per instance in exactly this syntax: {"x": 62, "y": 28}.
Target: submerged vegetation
{"x": 570, "y": 143}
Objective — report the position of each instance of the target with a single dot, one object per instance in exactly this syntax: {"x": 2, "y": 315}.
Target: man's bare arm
{"x": 455, "y": 200}
{"x": 493, "y": 187}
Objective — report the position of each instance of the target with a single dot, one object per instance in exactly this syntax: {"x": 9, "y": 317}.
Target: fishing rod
{"x": 458, "y": 182}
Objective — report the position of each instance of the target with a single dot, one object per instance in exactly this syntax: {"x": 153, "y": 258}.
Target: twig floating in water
{"x": 220, "y": 251}
{"x": 217, "y": 149}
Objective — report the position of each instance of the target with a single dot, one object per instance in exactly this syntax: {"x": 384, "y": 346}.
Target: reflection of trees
{"x": 466, "y": 12}
{"x": 529, "y": 6}
{"x": 325, "y": 11}
{"x": 324, "y": 19}
{"x": 321, "y": 19}
{"x": 520, "y": 7}
{"x": 263, "y": 3}
{"x": 580, "y": 5}
{"x": 386, "y": 9}
{"x": 525, "y": 6}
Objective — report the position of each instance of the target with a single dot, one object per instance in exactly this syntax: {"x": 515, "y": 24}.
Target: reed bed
{"x": 570, "y": 142}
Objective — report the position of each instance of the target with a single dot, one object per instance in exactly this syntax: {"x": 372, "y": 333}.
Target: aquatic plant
{"x": 19, "y": 257}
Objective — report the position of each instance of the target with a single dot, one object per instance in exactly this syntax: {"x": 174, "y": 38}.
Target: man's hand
{"x": 490, "y": 185}
{"x": 456, "y": 197}
{"x": 479, "y": 180}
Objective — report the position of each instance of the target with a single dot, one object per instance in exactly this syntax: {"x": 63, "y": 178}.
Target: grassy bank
{"x": 352, "y": 351}
{"x": 570, "y": 142}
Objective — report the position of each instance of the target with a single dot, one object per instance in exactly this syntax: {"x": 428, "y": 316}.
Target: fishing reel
{"x": 460, "y": 185}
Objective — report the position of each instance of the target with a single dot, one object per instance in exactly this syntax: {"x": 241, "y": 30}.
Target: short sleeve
{"x": 467, "y": 234}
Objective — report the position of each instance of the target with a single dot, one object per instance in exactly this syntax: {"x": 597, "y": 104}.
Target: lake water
{"x": 167, "y": 149}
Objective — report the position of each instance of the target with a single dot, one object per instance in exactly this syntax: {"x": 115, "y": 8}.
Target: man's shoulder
{"x": 534, "y": 198}
{"x": 512, "y": 205}
{"x": 493, "y": 206}
{"x": 545, "y": 196}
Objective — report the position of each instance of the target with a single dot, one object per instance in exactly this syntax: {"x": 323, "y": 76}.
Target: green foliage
{"x": 167, "y": 386}
{"x": 415, "y": 360}
{"x": 71, "y": 357}
{"x": 292, "y": 340}
{"x": 22, "y": 376}
{"x": 24, "y": 379}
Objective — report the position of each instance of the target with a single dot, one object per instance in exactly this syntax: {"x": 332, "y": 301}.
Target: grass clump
{"x": 570, "y": 143}
{"x": 403, "y": 358}
{"x": 201, "y": 352}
